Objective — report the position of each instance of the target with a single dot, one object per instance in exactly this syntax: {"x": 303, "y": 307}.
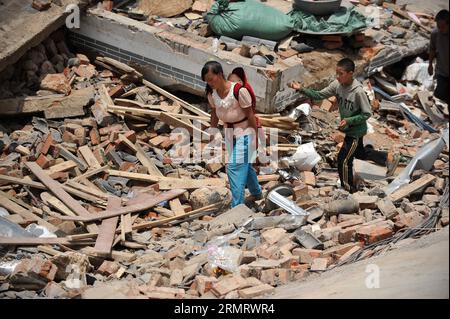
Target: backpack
{"x": 237, "y": 88}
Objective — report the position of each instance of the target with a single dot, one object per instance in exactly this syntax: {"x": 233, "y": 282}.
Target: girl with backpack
{"x": 236, "y": 112}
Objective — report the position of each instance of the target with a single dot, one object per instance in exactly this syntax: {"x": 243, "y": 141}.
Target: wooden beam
{"x": 145, "y": 203}
{"x": 32, "y": 241}
{"x": 147, "y": 161}
{"x": 174, "y": 183}
{"x": 118, "y": 65}
{"x": 140, "y": 106}
{"x": 91, "y": 173}
{"x": 174, "y": 98}
{"x": 88, "y": 190}
{"x": 17, "y": 209}
{"x": 69, "y": 156}
{"x": 59, "y": 192}
{"x": 268, "y": 178}
{"x": 22, "y": 181}
{"x": 154, "y": 113}
{"x": 107, "y": 230}
{"x": 37, "y": 185}
{"x": 48, "y": 250}
{"x": 61, "y": 167}
{"x": 407, "y": 190}
{"x": 127, "y": 142}
{"x": 173, "y": 121}
{"x": 54, "y": 202}
{"x": 176, "y": 207}
{"x": 136, "y": 176}
{"x": 170, "y": 219}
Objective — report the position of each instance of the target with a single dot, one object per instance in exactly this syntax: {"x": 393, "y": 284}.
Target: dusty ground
{"x": 418, "y": 269}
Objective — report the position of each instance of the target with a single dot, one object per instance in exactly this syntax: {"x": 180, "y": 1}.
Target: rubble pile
{"x": 94, "y": 204}
{"x": 388, "y": 36}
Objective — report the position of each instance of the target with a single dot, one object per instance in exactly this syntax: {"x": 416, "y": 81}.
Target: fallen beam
{"x": 107, "y": 230}
{"x": 60, "y": 193}
{"x": 146, "y": 203}
{"x": 411, "y": 188}
{"x": 30, "y": 241}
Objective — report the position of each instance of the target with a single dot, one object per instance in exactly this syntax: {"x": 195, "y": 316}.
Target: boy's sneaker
{"x": 392, "y": 165}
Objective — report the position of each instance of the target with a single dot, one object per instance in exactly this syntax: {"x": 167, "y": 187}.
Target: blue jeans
{"x": 240, "y": 171}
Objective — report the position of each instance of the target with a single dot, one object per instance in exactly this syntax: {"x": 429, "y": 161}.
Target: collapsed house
{"x": 93, "y": 204}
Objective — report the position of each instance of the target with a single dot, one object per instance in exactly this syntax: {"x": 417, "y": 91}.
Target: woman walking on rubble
{"x": 240, "y": 130}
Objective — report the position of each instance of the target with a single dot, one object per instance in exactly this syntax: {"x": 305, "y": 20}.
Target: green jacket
{"x": 353, "y": 102}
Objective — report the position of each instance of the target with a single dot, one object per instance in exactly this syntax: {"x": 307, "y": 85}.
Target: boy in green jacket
{"x": 355, "y": 110}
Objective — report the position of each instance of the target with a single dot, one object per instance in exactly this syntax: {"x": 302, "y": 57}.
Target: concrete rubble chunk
{"x": 274, "y": 235}
{"x": 57, "y": 83}
{"x": 208, "y": 195}
{"x": 319, "y": 264}
{"x": 228, "y": 284}
{"x": 33, "y": 274}
{"x": 256, "y": 291}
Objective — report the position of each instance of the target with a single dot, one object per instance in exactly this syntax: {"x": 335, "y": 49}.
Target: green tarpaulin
{"x": 344, "y": 21}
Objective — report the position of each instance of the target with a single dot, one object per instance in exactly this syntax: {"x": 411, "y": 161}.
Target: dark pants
{"x": 354, "y": 147}
{"x": 441, "y": 91}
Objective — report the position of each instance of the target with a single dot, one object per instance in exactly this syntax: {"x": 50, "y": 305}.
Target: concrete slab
{"x": 22, "y": 27}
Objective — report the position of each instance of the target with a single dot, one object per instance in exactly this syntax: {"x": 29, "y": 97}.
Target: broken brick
{"x": 306, "y": 256}
{"x": 41, "y": 5}
{"x": 374, "y": 233}
{"x": 44, "y": 161}
{"x": 204, "y": 283}
{"x": 309, "y": 178}
{"x": 108, "y": 268}
{"x": 33, "y": 274}
{"x": 319, "y": 264}
{"x": 94, "y": 136}
{"x": 274, "y": 235}
{"x": 49, "y": 141}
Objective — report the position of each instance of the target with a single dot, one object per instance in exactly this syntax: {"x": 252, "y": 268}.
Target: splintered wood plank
{"x": 64, "y": 166}
{"x": 52, "y": 201}
{"x": 56, "y": 188}
{"x": 268, "y": 178}
{"x": 91, "y": 173}
{"x": 174, "y": 183}
{"x": 174, "y": 98}
{"x": 22, "y": 181}
{"x": 34, "y": 241}
{"x": 88, "y": 189}
{"x": 164, "y": 221}
{"x": 19, "y": 210}
{"x": 126, "y": 224}
{"x": 127, "y": 142}
{"x": 145, "y": 203}
{"x": 107, "y": 230}
{"x": 136, "y": 176}
{"x": 147, "y": 161}
{"x": 155, "y": 141}
{"x": 173, "y": 121}
{"x": 176, "y": 207}
{"x": 89, "y": 157}
{"x": 411, "y": 188}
